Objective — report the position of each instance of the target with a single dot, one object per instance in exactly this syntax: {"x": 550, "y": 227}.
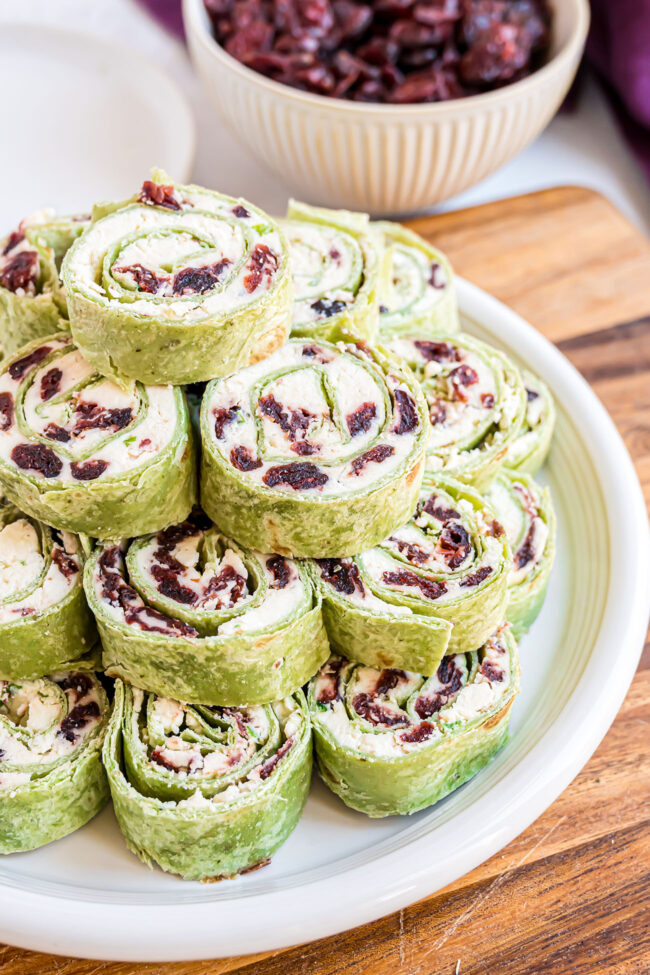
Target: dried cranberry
{"x": 328, "y": 307}
{"x": 54, "y": 432}
{"x": 145, "y": 279}
{"x": 526, "y": 551}
{"x": 408, "y": 414}
{"x": 361, "y": 420}
{"x": 376, "y": 455}
{"x": 531, "y": 395}
{"x": 279, "y": 569}
{"x": 15, "y": 237}
{"x": 487, "y": 400}
{"x": 342, "y": 574}
{"x": 222, "y": 417}
{"x": 428, "y": 587}
{"x": 302, "y": 476}
{"x": 89, "y": 470}
{"x": 271, "y": 762}
{"x": 20, "y": 271}
{"x": 156, "y": 194}
{"x": 476, "y": 578}
{"x": 262, "y": 263}
{"x": 37, "y": 457}
{"x": 438, "y": 511}
{"x": 77, "y": 719}
{"x": 243, "y": 460}
{"x": 66, "y": 564}
{"x": 51, "y": 383}
{"x": 492, "y": 672}
{"x": 417, "y": 734}
{"x": 388, "y": 680}
{"x": 240, "y": 211}
{"x": 455, "y": 544}
{"x": 6, "y": 410}
{"x": 198, "y": 280}
{"x": 437, "y": 351}
{"x": 374, "y": 712}
{"x": 18, "y": 368}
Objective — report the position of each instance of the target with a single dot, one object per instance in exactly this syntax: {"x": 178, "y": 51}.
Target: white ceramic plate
{"x": 88, "y": 106}
{"x": 88, "y": 896}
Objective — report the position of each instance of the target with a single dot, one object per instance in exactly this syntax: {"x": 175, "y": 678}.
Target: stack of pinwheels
{"x": 259, "y": 493}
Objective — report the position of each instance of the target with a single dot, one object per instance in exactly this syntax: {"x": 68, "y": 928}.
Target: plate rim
{"x": 141, "y": 65}
{"x": 326, "y": 906}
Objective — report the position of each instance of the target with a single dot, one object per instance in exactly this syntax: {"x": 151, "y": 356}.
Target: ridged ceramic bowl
{"x": 384, "y": 159}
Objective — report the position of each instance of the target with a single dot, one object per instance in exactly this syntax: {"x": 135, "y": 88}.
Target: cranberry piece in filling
{"x": 476, "y": 578}
{"x": 262, "y": 263}
{"x": 54, "y": 432}
{"x": 240, "y": 211}
{"x": 437, "y": 351}
{"x": 428, "y": 587}
{"x": 66, "y": 564}
{"x": 342, "y": 574}
{"x": 302, "y": 476}
{"x": 6, "y": 410}
{"x": 88, "y": 470}
{"x": 455, "y": 544}
{"x": 156, "y": 194}
{"x": 376, "y": 455}
{"x": 279, "y": 569}
{"x": 37, "y": 457}
{"x": 51, "y": 383}
{"x": 408, "y": 415}
{"x": 145, "y": 279}
{"x": 198, "y": 280}
{"x": 328, "y": 307}
{"x": 361, "y": 419}
{"x": 222, "y": 417}
{"x": 77, "y": 719}
{"x": 439, "y": 511}
{"x": 243, "y": 460}
{"x": 18, "y": 368}
{"x": 20, "y": 271}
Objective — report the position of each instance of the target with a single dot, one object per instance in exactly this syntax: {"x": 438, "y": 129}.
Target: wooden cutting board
{"x": 571, "y": 895}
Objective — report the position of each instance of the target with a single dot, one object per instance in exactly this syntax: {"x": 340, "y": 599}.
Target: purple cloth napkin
{"x": 168, "y": 13}
{"x": 618, "y": 48}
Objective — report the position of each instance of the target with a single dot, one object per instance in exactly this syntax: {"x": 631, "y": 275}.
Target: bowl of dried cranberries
{"x": 389, "y": 106}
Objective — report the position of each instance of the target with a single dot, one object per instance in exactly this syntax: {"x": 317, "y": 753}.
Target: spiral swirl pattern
{"x": 178, "y": 285}
{"x": 437, "y": 585}
{"x": 233, "y": 626}
{"x": 83, "y": 454}
{"x": 207, "y": 792}
{"x": 315, "y": 451}
{"x": 391, "y": 741}
{"x": 51, "y": 777}
{"x": 476, "y": 400}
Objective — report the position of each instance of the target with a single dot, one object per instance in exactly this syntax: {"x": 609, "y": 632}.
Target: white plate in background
{"x": 86, "y": 895}
{"x": 84, "y": 119}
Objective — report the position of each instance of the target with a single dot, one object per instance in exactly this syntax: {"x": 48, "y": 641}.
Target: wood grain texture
{"x": 570, "y": 895}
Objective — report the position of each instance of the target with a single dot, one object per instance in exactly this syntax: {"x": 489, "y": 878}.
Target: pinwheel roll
{"x": 416, "y": 285}
{"x": 51, "y": 776}
{"x": 335, "y": 267}
{"x": 437, "y": 585}
{"x": 32, "y": 299}
{"x": 83, "y": 454}
{"x": 528, "y": 452}
{"x": 44, "y": 617}
{"x": 525, "y": 510}
{"x": 207, "y": 792}
{"x": 187, "y": 612}
{"x": 317, "y": 451}
{"x": 392, "y": 742}
{"x": 476, "y": 400}
{"x": 178, "y": 285}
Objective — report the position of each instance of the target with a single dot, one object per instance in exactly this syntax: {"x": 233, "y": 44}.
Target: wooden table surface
{"x": 571, "y": 895}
